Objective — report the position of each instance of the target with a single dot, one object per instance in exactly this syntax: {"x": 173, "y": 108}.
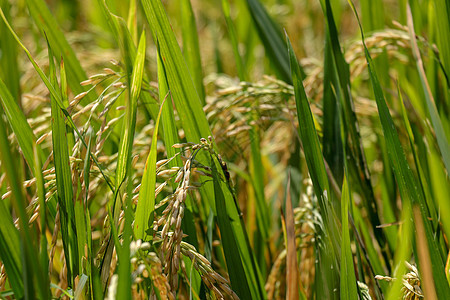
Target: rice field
{"x": 232, "y": 149}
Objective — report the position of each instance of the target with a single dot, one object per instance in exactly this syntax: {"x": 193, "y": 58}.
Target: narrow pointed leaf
{"x": 406, "y": 181}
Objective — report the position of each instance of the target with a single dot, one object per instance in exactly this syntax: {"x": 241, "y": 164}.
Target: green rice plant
{"x": 209, "y": 156}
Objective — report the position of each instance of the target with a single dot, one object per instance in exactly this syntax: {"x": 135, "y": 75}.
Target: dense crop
{"x": 237, "y": 149}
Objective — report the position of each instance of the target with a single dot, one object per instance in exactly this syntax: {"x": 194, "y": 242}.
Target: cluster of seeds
{"x": 170, "y": 220}
{"x": 213, "y": 280}
{"x": 411, "y": 283}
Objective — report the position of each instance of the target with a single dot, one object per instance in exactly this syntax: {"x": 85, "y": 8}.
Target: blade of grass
{"x": 127, "y": 136}
{"x": 125, "y": 148}
{"x": 43, "y": 257}
{"x": 272, "y": 40}
{"x": 403, "y": 252}
{"x": 308, "y": 135}
{"x": 9, "y": 72}
{"x": 191, "y": 48}
{"x": 124, "y": 285}
{"x": 406, "y": 181}
{"x": 86, "y": 171}
{"x": 47, "y": 23}
{"x": 132, "y": 21}
{"x": 308, "y": 132}
{"x": 257, "y": 176}
{"x": 340, "y": 78}
{"x": 32, "y": 283}
{"x": 235, "y": 267}
{"x": 435, "y": 120}
{"x": 9, "y": 243}
{"x": 423, "y": 179}
{"x": 329, "y": 235}
{"x": 348, "y": 283}
{"x": 256, "y": 166}
{"x": 184, "y": 95}
{"x": 332, "y": 142}
{"x": 234, "y": 40}
{"x": 124, "y": 38}
{"x": 19, "y": 125}
{"x": 143, "y": 224}
{"x": 56, "y": 95}
{"x": 180, "y": 83}
{"x": 63, "y": 181}
{"x": 170, "y": 133}
{"x": 348, "y": 278}
{"x": 168, "y": 117}
{"x": 442, "y": 13}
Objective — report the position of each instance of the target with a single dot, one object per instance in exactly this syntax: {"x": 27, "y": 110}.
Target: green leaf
{"x": 442, "y": 21}
{"x": 170, "y": 131}
{"x": 272, "y": 40}
{"x": 55, "y": 94}
{"x": 19, "y": 124}
{"x": 180, "y": 83}
{"x": 230, "y": 248}
{"x": 9, "y": 72}
{"x": 357, "y": 166}
{"x": 124, "y": 285}
{"x": 9, "y": 243}
{"x": 348, "y": 278}
{"x": 146, "y": 202}
{"x": 43, "y": 258}
{"x": 435, "y": 120}
{"x": 24, "y": 268}
{"x": 257, "y": 175}
{"x": 127, "y": 136}
{"x": 329, "y": 235}
{"x": 63, "y": 180}
{"x": 406, "y": 181}
{"x": 124, "y": 38}
{"x": 191, "y": 48}
{"x": 234, "y": 41}
{"x": 308, "y": 134}
{"x": 47, "y": 23}
{"x": 403, "y": 252}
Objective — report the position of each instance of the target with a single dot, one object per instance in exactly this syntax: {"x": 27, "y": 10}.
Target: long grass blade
{"x": 234, "y": 261}
{"x": 340, "y": 79}
{"x": 234, "y": 40}
{"x": 9, "y": 243}
{"x": 180, "y": 83}
{"x": 63, "y": 180}
{"x": 191, "y": 48}
{"x": 32, "y": 281}
{"x": 143, "y": 224}
{"x": 19, "y": 124}
{"x": 56, "y": 95}
{"x": 47, "y": 23}
{"x": 348, "y": 278}
{"x": 405, "y": 179}
{"x": 127, "y": 136}
{"x": 272, "y": 40}
{"x": 314, "y": 159}
{"x": 403, "y": 252}
{"x": 435, "y": 120}
{"x": 9, "y": 72}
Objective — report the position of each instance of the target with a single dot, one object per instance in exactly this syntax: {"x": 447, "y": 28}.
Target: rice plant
{"x": 224, "y": 149}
